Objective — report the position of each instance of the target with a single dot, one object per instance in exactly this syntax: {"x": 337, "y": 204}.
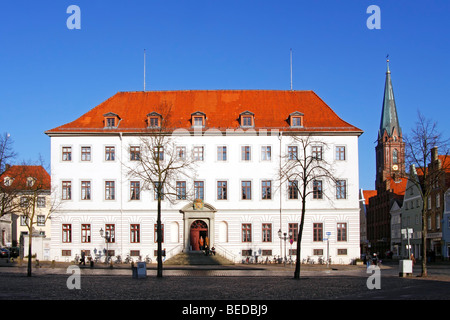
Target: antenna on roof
{"x": 291, "y": 69}
{"x": 144, "y": 69}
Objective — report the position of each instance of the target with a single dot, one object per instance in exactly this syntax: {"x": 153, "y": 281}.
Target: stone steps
{"x": 197, "y": 258}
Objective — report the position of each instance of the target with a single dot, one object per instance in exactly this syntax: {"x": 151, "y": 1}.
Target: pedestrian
{"x": 83, "y": 258}
{"x": 201, "y": 242}
{"x": 213, "y": 250}
{"x": 413, "y": 259}
{"x": 375, "y": 259}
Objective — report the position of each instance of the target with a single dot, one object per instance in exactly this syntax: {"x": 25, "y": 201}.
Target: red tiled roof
{"x": 271, "y": 109}
{"x": 369, "y": 194}
{"x": 21, "y": 173}
{"x": 398, "y": 186}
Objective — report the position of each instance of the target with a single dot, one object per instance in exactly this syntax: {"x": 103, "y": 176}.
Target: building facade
{"x": 239, "y": 139}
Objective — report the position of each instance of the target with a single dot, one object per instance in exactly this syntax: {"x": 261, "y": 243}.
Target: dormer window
{"x": 154, "y": 120}
{"x": 296, "y": 119}
{"x": 30, "y": 181}
{"x": 247, "y": 119}
{"x": 111, "y": 120}
{"x": 7, "y": 181}
{"x": 198, "y": 119}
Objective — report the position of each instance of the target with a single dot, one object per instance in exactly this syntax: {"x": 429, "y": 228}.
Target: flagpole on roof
{"x": 291, "y": 69}
{"x": 144, "y": 69}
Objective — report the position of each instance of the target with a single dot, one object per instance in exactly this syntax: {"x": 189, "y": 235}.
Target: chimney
{"x": 7, "y": 166}
{"x": 434, "y": 154}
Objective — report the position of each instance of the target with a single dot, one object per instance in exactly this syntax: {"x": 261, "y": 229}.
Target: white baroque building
{"x": 238, "y": 136}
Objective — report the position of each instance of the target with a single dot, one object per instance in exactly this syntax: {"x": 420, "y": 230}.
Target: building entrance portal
{"x": 199, "y": 235}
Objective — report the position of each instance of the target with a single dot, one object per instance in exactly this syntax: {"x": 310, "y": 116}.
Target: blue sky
{"x": 51, "y": 75}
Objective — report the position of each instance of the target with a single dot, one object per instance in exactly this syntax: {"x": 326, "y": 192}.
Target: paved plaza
{"x": 212, "y": 283}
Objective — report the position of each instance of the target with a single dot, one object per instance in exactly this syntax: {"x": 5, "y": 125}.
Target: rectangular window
{"x": 135, "y": 190}
{"x": 247, "y": 121}
{"x": 110, "y": 153}
{"x": 41, "y": 220}
{"x": 222, "y": 190}
{"x": 266, "y": 190}
{"x": 181, "y": 190}
{"x": 222, "y": 153}
{"x": 246, "y": 153}
{"x": 293, "y": 229}
{"x": 199, "y": 190}
{"x": 341, "y": 232}
{"x": 267, "y": 232}
{"x": 341, "y": 189}
{"x": 181, "y": 153}
{"x": 317, "y": 189}
{"x": 317, "y": 152}
{"x": 41, "y": 202}
{"x": 198, "y": 153}
{"x": 292, "y": 152}
{"x": 296, "y": 121}
{"x": 293, "y": 189}
{"x": 156, "y": 232}
{"x": 246, "y": 232}
{"x": 110, "y": 190}
{"x": 67, "y": 154}
{"x": 110, "y": 233}
{"x": 246, "y": 190}
{"x": 85, "y": 233}
{"x": 340, "y": 153}
{"x": 66, "y": 190}
{"x": 85, "y": 153}
{"x": 266, "y": 153}
{"x": 85, "y": 190}
{"x": 110, "y": 122}
{"x": 318, "y": 232}
{"x": 135, "y": 235}
{"x": 135, "y": 153}
{"x": 154, "y": 122}
{"x": 198, "y": 121}
{"x": 66, "y": 233}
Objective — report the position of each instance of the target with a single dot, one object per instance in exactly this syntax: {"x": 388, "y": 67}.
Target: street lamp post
{"x": 107, "y": 239}
{"x": 284, "y": 236}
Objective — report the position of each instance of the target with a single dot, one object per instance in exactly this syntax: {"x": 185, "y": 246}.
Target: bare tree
{"x": 161, "y": 164}
{"x": 419, "y": 145}
{"x": 303, "y": 171}
{"x": 7, "y": 191}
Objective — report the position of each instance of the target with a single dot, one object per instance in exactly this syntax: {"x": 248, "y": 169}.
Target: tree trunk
{"x": 159, "y": 238}
{"x": 299, "y": 242}
{"x": 30, "y": 237}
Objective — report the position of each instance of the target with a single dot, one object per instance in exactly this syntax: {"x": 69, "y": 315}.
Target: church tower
{"x": 390, "y": 149}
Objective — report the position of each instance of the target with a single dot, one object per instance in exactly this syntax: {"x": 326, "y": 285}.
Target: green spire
{"x": 389, "y": 118}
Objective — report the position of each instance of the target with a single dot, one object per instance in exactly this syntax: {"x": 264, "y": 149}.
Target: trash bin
{"x": 405, "y": 268}
{"x": 134, "y": 272}
{"x": 141, "y": 270}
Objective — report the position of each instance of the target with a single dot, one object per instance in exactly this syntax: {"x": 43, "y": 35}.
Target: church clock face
{"x": 395, "y": 167}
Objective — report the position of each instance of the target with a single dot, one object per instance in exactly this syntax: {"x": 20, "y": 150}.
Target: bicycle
{"x": 148, "y": 259}
{"x": 118, "y": 259}
{"x": 76, "y": 259}
{"x": 128, "y": 259}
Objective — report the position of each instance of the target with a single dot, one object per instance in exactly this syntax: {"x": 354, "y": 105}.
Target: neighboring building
{"x": 237, "y": 137}
{"x": 396, "y": 226}
{"x": 27, "y": 184}
{"x": 364, "y": 196}
{"x": 411, "y": 214}
{"x": 390, "y": 168}
{"x": 446, "y": 225}
{"x": 439, "y": 171}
